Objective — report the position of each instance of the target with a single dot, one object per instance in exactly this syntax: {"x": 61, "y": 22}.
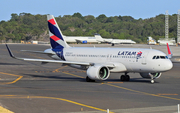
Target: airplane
{"x": 100, "y": 62}
{"x": 164, "y": 41}
{"x": 113, "y": 41}
{"x": 80, "y": 39}
{"x": 151, "y": 41}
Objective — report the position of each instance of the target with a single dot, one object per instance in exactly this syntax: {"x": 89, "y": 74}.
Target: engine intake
{"x": 98, "y": 72}
{"x": 148, "y": 75}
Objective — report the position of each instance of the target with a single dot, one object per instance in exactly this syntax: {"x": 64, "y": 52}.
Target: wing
{"x": 40, "y": 52}
{"x": 47, "y": 61}
{"x": 175, "y": 59}
{"x": 110, "y": 65}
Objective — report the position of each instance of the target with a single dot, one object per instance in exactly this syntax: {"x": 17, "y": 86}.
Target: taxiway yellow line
{"x": 72, "y": 74}
{"x": 4, "y": 110}
{"x": 57, "y": 70}
{"x": 166, "y": 94}
{"x": 155, "y": 95}
{"x": 19, "y": 77}
{"x": 54, "y": 98}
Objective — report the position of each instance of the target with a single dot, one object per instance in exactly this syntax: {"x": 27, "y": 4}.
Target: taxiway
{"x": 29, "y": 87}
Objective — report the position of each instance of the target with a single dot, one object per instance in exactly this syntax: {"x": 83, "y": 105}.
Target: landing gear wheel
{"x": 123, "y": 78}
{"x": 89, "y": 80}
{"x": 127, "y": 77}
{"x": 152, "y": 81}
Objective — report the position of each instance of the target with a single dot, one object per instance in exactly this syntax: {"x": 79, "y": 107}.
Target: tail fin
{"x": 169, "y": 51}
{"x": 97, "y": 36}
{"x": 56, "y": 37}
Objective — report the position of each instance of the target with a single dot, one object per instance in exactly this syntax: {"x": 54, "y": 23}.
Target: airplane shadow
{"x": 57, "y": 77}
{"x": 132, "y": 80}
{"x": 10, "y": 64}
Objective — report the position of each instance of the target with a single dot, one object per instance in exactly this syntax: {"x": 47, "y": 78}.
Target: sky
{"x": 136, "y": 8}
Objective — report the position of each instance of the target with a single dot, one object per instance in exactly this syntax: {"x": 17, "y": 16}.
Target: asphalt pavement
{"x": 30, "y": 87}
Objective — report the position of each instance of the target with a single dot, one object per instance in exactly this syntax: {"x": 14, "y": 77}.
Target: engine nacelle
{"x": 84, "y": 41}
{"x": 149, "y": 75}
{"x": 98, "y": 72}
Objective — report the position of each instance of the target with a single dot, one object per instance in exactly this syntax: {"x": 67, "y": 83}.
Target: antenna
{"x": 166, "y": 25}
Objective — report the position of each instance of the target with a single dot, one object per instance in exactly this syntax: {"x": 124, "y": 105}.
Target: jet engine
{"x": 84, "y": 41}
{"x": 150, "y": 75}
{"x": 98, "y": 72}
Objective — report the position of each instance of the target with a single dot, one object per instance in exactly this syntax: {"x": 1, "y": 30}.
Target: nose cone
{"x": 169, "y": 65}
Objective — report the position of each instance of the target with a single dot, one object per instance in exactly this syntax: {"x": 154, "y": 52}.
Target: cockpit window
{"x": 154, "y": 57}
{"x": 157, "y": 57}
{"x": 160, "y": 57}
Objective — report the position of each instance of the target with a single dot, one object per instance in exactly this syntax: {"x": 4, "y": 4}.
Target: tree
{"x": 14, "y": 17}
{"x": 26, "y": 26}
{"x": 89, "y": 19}
{"x": 127, "y": 18}
{"x": 102, "y": 18}
{"x": 78, "y": 15}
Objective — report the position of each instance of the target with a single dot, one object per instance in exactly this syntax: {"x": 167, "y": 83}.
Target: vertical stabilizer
{"x": 98, "y": 36}
{"x": 56, "y": 37}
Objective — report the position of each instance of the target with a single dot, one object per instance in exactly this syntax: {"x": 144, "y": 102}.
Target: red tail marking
{"x": 169, "y": 51}
{"x": 55, "y": 38}
{"x": 52, "y": 21}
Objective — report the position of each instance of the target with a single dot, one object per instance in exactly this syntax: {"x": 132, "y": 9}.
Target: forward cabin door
{"x": 109, "y": 57}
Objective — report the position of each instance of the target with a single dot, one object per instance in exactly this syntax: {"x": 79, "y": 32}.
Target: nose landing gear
{"x": 152, "y": 81}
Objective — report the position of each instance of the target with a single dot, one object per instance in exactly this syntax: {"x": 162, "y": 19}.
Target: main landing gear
{"x": 125, "y": 77}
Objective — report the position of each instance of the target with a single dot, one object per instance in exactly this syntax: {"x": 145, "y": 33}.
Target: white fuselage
{"x": 130, "y": 58}
{"x": 74, "y": 39}
{"x": 122, "y": 41}
{"x": 116, "y": 41}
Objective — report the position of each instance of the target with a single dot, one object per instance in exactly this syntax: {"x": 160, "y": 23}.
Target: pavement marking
{"x": 54, "y": 98}
{"x": 4, "y": 110}
{"x": 114, "y": 82}
{"x": 155, "y": 95}
{"x": 73, "y": 75}
{"x": 19, "y": 77}
{"x": 166, "y": 94}
{"x": 57, "y": 70}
